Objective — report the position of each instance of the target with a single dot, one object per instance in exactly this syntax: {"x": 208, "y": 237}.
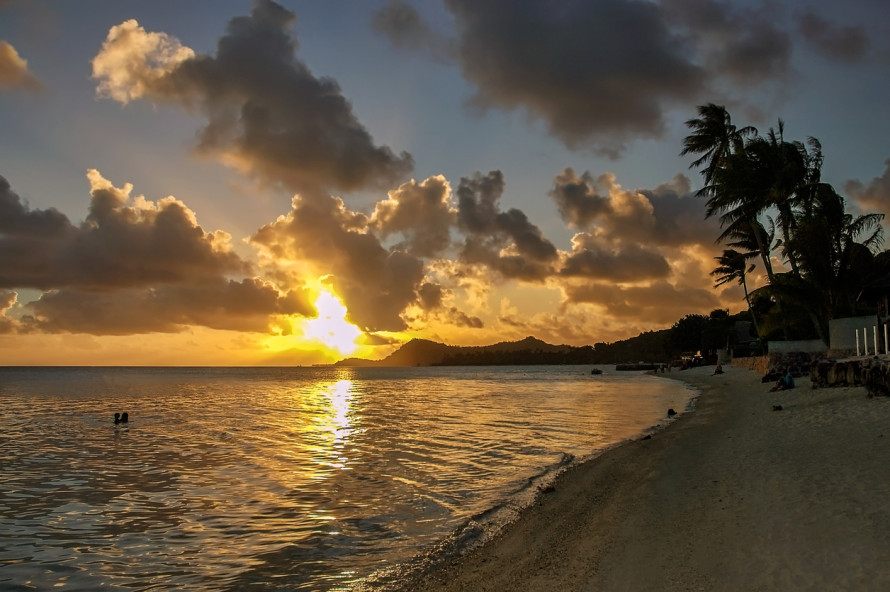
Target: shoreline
{"x": 732, "y": 496}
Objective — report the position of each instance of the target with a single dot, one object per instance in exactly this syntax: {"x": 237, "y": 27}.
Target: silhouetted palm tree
{"x": 835, "y": 249}
{"x": 715, "y": 138}
{"x": 733, "y": 266}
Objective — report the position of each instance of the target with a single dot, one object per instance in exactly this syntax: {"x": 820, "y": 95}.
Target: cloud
{"x": 597, "y": 258}
{"x": 874, "y": 197}
{"x": 133, "y": 63}
{"x": 245, "y": 305}
{"x": 14, "y": 73}
{"x": 421, "y": 212}
{"x": 848, "y": 44}
{"x": 507, "y": 242}
{"x": 132, "y": 266}
{"x": 594, "y": 72}
{"x": 733, "y": 43}
{"x": 679, "y": 215}
{"x": 267, "y": 114}
{"x": 567, "y": 327}
{"x": 430, "y": 296}
{"x": 405, "y": 28}
{"x": 669, "y": 215}
{"x": 659, "y": 303}
{"x": 598, "y": 74}
{"x": 376, "y": 284}
{"x": 431, "y": 299}
{"x": 642, "y": 254}
{"x": 7, "y": 301}
{"x": 577, "y": 198}
{"x": 122, "y": 243}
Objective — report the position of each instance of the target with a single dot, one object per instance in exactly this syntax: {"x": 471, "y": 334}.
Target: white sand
{"x": 734, "y": 496}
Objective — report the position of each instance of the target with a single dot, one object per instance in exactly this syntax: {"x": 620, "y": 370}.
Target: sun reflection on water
{"x": 335, "y": 422}
{"x": 340, "y": 397}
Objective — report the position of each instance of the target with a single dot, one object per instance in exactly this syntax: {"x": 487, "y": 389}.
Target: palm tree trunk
{"x": 768, "y": 266}
{"x": 750, "y": 310}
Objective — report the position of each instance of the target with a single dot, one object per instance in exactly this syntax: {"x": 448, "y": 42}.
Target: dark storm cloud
{"x": 733, "y": 42}
{"x": 598, "y": 74}
{"x": 669, "y": 215}
{"x": 16, "y": 219}
{"x": 506, "y": 242}
{"x": 376, "y": 284}
{"x": 243, "y": 305}
{"x": 587, "y": 69}
{"x": 267, "y": 114}
{"x": 430, "y": 296}
{"x": 120, "y": 244}
{"x": 599, "y": 259}
{"x": 846, "y": 43}
{"x": 679, "y": 215}
{"x": 132, "y": 266}
{"x": 577, "y": 198}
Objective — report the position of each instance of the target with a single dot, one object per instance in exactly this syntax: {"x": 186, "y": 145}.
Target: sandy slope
{"x": 735, "y": 496}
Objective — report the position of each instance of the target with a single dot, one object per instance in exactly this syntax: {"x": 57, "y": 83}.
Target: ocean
{"x": 286, "y": 478}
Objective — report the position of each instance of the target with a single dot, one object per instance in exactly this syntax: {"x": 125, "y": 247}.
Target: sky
{"x": 225, "y": 182}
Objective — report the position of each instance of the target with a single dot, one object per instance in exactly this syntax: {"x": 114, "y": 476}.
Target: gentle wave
{"x": 287, "y": 478}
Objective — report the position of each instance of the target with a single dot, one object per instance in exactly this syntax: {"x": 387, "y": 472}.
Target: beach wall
{"x": 759, "y": 364}
{"x": 800, "y": 345}
{"x": 842, "y": 333}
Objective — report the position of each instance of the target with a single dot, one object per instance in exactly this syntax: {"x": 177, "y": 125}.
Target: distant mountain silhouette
{"x": 423, "y": 352}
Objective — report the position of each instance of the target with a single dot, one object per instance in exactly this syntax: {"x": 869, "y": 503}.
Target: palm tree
{"x": 779, "y": 174}
{"x": 835, "y": 248}
{"x": 752, "y": 237}
{"x": 747, "y": 177}
{"x": 715, "y": 138}
{"x": 733, "y": 266}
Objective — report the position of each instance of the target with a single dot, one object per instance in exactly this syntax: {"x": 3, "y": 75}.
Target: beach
{"x": 736, "y": 495}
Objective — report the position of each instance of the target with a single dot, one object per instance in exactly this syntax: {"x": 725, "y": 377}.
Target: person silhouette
{"x": 117, "y": 418}
{"x": 125, "y": 417}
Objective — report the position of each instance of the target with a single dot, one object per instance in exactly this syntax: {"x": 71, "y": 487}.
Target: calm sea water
{"x": 284, "y": 478}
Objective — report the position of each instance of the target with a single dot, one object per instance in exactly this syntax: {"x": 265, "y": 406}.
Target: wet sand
{"x": 733, "y": 496}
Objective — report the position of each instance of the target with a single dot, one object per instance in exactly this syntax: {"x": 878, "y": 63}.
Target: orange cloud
{"x": 14, "y": 73}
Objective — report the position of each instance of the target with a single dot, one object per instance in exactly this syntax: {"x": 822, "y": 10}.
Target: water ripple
{"x": 291, "y": 479}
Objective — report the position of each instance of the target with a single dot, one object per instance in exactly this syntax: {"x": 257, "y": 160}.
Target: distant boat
{"x": 596, "y": 371}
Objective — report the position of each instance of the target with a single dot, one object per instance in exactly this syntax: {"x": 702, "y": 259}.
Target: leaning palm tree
{"x": 728, "y": 172}
{"x": 753, "y": 239}
{"x": 779, "y": 174}
{"x": 714, "y": 137}
{"x": 733, "y": 266}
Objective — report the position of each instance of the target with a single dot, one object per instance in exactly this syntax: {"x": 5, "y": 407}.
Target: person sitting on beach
{"x": 785, "y": 382}
{"x": 718, "y": 369}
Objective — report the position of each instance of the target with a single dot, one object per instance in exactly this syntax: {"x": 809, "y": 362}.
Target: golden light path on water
{"x": 282, "y": 478}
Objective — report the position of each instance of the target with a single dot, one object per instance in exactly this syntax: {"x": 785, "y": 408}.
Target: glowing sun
{"x": 331, "y": 327}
